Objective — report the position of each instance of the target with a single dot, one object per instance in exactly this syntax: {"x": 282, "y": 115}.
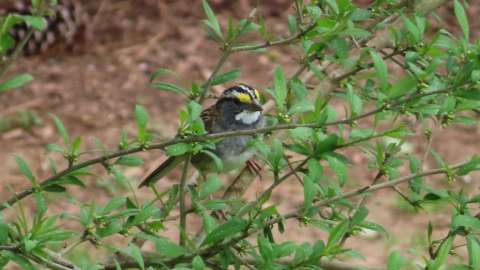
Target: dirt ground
{"x": 94, "y": 91}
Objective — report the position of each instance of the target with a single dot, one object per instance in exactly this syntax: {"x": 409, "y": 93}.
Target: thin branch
{"x": 226, "y": 53}
{"x": 55, "y": 178}
{"x": 282, "y": 41}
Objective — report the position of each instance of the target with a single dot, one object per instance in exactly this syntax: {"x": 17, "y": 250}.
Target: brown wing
{"x": 209, "y": 116}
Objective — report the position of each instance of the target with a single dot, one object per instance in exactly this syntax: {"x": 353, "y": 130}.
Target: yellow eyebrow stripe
{"x": 257, "y": 94}
{"x": 245, "y": 98}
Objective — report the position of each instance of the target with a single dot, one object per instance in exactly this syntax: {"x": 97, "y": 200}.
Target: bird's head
{"x": 242, "y": 102}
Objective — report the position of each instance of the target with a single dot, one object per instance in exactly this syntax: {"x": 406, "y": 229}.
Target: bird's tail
{"x": 162, "y": 170}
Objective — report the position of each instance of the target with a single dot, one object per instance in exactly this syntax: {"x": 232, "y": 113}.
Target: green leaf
{"x": 292, "y": 24}
{"x": 472, "y": 165}
{"x": 160, "y": 72}
{"x": 133, "y": 251}
{"x": 336, "y": 234}
{"x": 226, "y": 77}
{"x": 178, "y": 149}
{"x": 461, "y": 18}
{"x": 216, "y": 160}
{"x": 280, "y": 88}
{"x": 265, "y": 248}
{"x": 198, "y": 263}
{"x": 473, "y": 247}
{"x": 308, "y": 192}
{"x": 166, "y": 248}
{"x": 18, "y": 259}
{"x": 469, "y": 222}
{"x": 113, "y": 204}
{"x": 359, "y": 216}
{"x": 339, "y": 168}
{"x": 395, "y": 261}
{"x": 61, "y": 130}
{"x": 226, "y": 230}
{"x": 3, "y": 231}
{"x": 141, "y": 117}
{"x": 442, "y": 254}
{"x": 355, "y": 101}
{"x": 212, "y": 185}
{"x": 212, "y": 20}
{"x": 130, "y": 161}
{"x": 16, "y": 82}
{"x": 37, "y": 22}
{"x": 25, "y": 169}
{"x": 380, "y": 68}
{"x": 170, "y": 87}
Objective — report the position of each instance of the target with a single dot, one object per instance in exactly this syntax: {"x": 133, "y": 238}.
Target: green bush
{"x": 384, "y": 64}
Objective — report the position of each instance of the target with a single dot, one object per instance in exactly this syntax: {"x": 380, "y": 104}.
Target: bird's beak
{"x": 256, "y": 107}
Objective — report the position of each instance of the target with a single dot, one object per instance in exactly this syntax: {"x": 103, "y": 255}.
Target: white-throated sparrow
{"x": 238, "y": 108}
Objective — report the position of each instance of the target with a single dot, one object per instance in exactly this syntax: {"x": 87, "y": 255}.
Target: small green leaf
{"x": 178, "y": 149}
{"x": 170, "y": 87}
{"x": 3, "y": 231}
{"x": 165, "y": 247}
{"x": 226, "y": 230}
{"x": 18, "y": 259}
{"x": 337, "y": 233}
{"x": 280, "y": 88}
{"x": 461, "y": 18}
{"x": 380, "y": 68}
{"x": 265, "y": 248}
{"x": 395, "y": 261}
{"x": 308, "y": 192}
{"x": 113, "y": 204}
{"x": 359, "y": 216}
{"x": 37, "y": 22}
{"x": 16, "y": 82}
{"x": 25, "y": 169}
{"x": 130, "y": 161}
{"x": 339, "y": 168}
{"x": 442, "y": 254}
{"x": 198, "y": 263}
{"x": 472, "y": 165}
{"x": 212, "y": 21}
{"x": 216, "y": 160}
{"x": 61, "y": 130}
{"x": 473, "y": 247}
{"x": 141, "y": 117}
{"x": 160, "y": 72}
{"x": 133, "y": 251}
{"x": 212, "y": 185}
{"x": 226, "y": 77}
{"x": 469, "y": 222}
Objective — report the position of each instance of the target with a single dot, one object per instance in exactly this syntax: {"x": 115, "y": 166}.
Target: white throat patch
{"x": 247, "y": 117}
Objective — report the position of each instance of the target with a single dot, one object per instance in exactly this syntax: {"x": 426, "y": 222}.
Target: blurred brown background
{"x": 94, "y": 88}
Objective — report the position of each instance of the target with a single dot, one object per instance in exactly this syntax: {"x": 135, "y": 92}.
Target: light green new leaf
{"x": 226, "y": 77}
{"x": 212, "y": 21}
{"x": 212, "y": 185}
{"x": 170, "y": 87}
{"x": 280, "y": 88}
{"x": 395, "y": 261}
{"x": 461, "y": 18}
{"x": 133, "y": 251}
{"x": 473, "y": 247}
{"x": 16, "y": 82}
{"x": 178, "y": 149}
{"x": 442, "y": 254}
{"x": 308, "y": 192}
{"x": 380, "y": 68}
{"x": 61, "y": 130}
{"x": 25, "y": 169}
{"x": 37, "y": 22}
{"x": 226, "y": 230}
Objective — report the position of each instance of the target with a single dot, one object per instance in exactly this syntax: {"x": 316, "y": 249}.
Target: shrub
{"x": 384, "y": 64}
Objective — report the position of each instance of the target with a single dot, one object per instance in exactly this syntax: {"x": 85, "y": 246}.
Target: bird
{"x": 65, "y": 25}
{"x": 238, "y": 108}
